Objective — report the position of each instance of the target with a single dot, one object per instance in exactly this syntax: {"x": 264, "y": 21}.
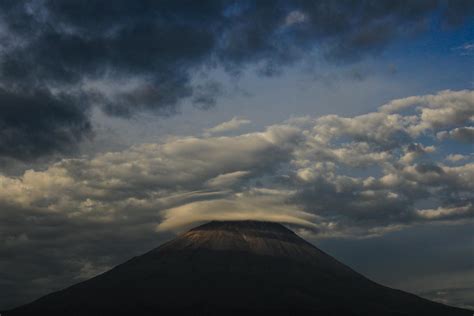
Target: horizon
{"x": 123, "y": 124}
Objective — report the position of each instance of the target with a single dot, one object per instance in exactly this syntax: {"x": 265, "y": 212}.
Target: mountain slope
{"x": 241, "y": 266}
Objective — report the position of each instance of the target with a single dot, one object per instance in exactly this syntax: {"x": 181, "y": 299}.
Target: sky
{"x": 125, "y": 123}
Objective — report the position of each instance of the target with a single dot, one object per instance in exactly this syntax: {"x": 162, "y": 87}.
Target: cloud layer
{"x": 356, "y": 176}
{"x": 127, "y": 57}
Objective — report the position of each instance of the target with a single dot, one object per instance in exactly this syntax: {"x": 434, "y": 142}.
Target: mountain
{"x": 233, "y": 267}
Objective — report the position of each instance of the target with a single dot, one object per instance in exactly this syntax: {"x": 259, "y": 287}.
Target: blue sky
{"x": 422, "y": 64}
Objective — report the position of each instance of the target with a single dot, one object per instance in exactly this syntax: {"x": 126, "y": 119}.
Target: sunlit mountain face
{"x": 125, "y": 123}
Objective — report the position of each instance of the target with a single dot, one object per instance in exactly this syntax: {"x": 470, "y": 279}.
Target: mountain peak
{"x": 236, "y": 225}
{"x": 233, "y": 266}
{"x": 258, "y": 237}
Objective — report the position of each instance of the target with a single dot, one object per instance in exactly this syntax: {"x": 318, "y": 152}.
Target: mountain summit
{"x": 233, "y": 266}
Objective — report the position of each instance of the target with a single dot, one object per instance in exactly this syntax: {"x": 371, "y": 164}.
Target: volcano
{"x": 233, "y": 267}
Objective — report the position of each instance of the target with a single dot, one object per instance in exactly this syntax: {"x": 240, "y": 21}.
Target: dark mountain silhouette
{"x": 233, "y": 267}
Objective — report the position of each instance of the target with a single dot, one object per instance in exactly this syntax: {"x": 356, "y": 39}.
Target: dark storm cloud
{"x": 97, "y": 49}
{"x": 35, "y": 122}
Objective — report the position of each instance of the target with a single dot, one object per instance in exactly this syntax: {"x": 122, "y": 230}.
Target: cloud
{"x": 253, "y": 205}
{"x": 444, "y": 109}
{"x": 35, "y": 122}
{"x": 227, "y": 179}
{"x": 456, "y": 157}
{"x": 317, "y": 156}
{"x": 295, "y": 17}
{"x": 443, "y": 213}
{"x": 363, "y": 171}
{"x": 357, "y": 177}
{"x": 462, "y": 134}
{"x": 233, "y": 124}
{"x": 146, "y": 174}
{"x": 129, "y": 58}
{"x": 466, "y": 49}
{"x": 414, "y": 151}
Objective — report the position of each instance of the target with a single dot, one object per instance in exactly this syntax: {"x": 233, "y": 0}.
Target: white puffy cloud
{"x": 444, "y": 109}
{"x": 462, "y": 134}
{"x": 377, "y": 128}
{"x": 456, "y": 157}
{"x": 446, "y": 212}
{"x": 368, "y": 171}
{"x": 414, "y": 151}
